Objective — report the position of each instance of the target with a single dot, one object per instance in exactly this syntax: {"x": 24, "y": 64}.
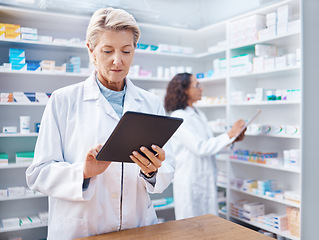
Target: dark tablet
{"x": 134, "y": 130}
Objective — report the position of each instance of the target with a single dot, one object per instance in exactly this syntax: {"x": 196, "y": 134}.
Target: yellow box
{"x": 12, "y": 28}
{"x": 2, "y": 34}
{"x": 12, "y": 35}
{"x": 2, "y": 27}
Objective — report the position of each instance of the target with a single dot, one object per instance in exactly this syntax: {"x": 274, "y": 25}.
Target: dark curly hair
{"x": 176, "y": 97}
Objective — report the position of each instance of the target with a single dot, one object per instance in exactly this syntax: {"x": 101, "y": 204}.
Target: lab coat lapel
{"x": 92, "y": 92}
{"x": 132, "y": 100}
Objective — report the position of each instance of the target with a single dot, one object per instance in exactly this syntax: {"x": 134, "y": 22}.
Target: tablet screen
{"x": 135, "y": 130}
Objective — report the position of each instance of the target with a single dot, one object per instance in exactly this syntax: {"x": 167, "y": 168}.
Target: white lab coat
{"x": 195, "y": 190}
{"x": 76, "y": 119}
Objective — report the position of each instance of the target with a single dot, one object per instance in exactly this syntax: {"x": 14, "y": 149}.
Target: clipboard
{"x": 134, "y": 130}
{"x": 247, "y": 123}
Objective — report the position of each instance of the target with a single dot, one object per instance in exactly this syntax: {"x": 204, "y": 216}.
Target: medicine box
{"x": 2, "y": 27}
{"x": 12, "y": 35}
{"x": 17, "y": 60}
{"x": 12, "y": 28}
{"x": 3, "y": 159}
{"x": 20, "y": 97}
{"x": 27, "y": 36}
{"x": 16, "y": 52}
{"x": 9, "y": 129}
{"x": 10, "y": 223}
{"x": 3, "y": 193}
{"x": 29, "y": 30}
{"x": 25, "y": 221}
{"x": 22, "y": 157}
{"x": 16, "y": 191}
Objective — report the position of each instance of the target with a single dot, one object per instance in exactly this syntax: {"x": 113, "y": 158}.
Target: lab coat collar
{"x": 132, "y": 99}
{"x": 91, "y": 89}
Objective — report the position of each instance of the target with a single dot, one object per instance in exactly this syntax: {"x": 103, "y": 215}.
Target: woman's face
{"x": 113, "y": 56}
{"x": 194, "y": 92}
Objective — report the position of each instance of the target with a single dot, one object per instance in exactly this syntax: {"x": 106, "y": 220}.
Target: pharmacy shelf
{"x": 15, "y": 165}
{"x": 212, "y": 79}
{"x": 38, "y": 195}
{"x": 285, "y": 234}
{"x": 209, "y": 54}
{"x": 285, "y": 202}
{"x": 46, "y": 73}
{"x": 293, "y": 70}
{"x": 3, "y": 230}
{"x": 22, "y": 104}
{"x": 47, "y": 45}
{"x": 10, "y": 42}
{"x": 265, "y": 103}
{"x": 19, "y": 134}
{"x": 279, "y": 168}
{"x": 272, "y": 136}
{"x": 276, "y": 40}
{"x": 211, "y": 105}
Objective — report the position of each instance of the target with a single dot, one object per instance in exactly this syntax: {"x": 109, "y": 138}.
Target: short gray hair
{"x": 111, "y": 19}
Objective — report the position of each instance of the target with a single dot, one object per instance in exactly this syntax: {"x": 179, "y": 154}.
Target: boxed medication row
{"x": 12, "y": 192}
{"x": 25, "y": 97}
{"x": 17, "y": 222}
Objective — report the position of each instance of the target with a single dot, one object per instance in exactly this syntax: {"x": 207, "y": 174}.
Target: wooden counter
{"x": 202, "y": 227}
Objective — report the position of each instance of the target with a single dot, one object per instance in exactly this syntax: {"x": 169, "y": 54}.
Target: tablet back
{"x": 135, "y": 130}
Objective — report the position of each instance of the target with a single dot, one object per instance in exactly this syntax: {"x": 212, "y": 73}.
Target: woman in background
{"x": 195, "y": 189}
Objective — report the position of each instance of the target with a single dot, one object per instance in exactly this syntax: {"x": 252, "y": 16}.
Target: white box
{"x": 9, "y": 129}
{"x": 16, "y": 191}
{"x": 29, "y": 30}
{"x": 271, "y": 19}
{"x": 25, "y": 221}
{"x": 294, "y": 26}
{"x": 282, "y": 28}
{"x": 20, "y": 97}
{"x": 281, "y": 62}
{"x": 10, "y": 223}
{"x": 269, "y": 64}
{"x": 3, "y": 193}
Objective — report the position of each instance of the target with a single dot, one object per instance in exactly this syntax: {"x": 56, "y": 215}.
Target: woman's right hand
{"x": 236, "y": 128}
{"x": 92, "y": 166}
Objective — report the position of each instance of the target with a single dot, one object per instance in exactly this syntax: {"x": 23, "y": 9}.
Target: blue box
{"x": 16, "y": 52}
{"x": 199, "y": 75}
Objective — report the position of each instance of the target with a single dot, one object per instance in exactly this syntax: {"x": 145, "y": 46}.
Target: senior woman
{"x": 195, "y": 146}
{"x": 86, "y": 196}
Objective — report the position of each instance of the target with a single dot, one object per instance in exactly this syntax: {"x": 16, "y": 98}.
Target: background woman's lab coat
{"x": 195, "y": 178}
{"x": 76, "y": 119}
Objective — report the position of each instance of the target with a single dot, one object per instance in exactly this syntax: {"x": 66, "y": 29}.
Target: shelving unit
{"x": 275, "y": 112}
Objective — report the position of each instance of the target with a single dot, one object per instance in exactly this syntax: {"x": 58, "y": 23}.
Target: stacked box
{"x": 17, "y": 59}
{"x": 29, "y": 33}
{"x": 249, "y": 185}
{"x": 47, "y": 65}
{"x": 253, "y": 210}
{"x": 236, "y": 208}
{"x": 283, "y": 17}
{"x": 74, "y": 65}
{"x": 22, "y": 157}
{"x": 11, "y": 31}
{"x": 267, "y": 185}
{"x": 241, "y": 64}
{"x": 6, "y": 97}
{"x": 245, "y": 31}
{"x": 3, "y": 158}
{"x": 273, "y": 220}
{"x": 293, "y": 218}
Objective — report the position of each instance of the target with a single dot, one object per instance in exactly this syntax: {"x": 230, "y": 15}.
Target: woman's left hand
{"x": 152, "y": 161}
